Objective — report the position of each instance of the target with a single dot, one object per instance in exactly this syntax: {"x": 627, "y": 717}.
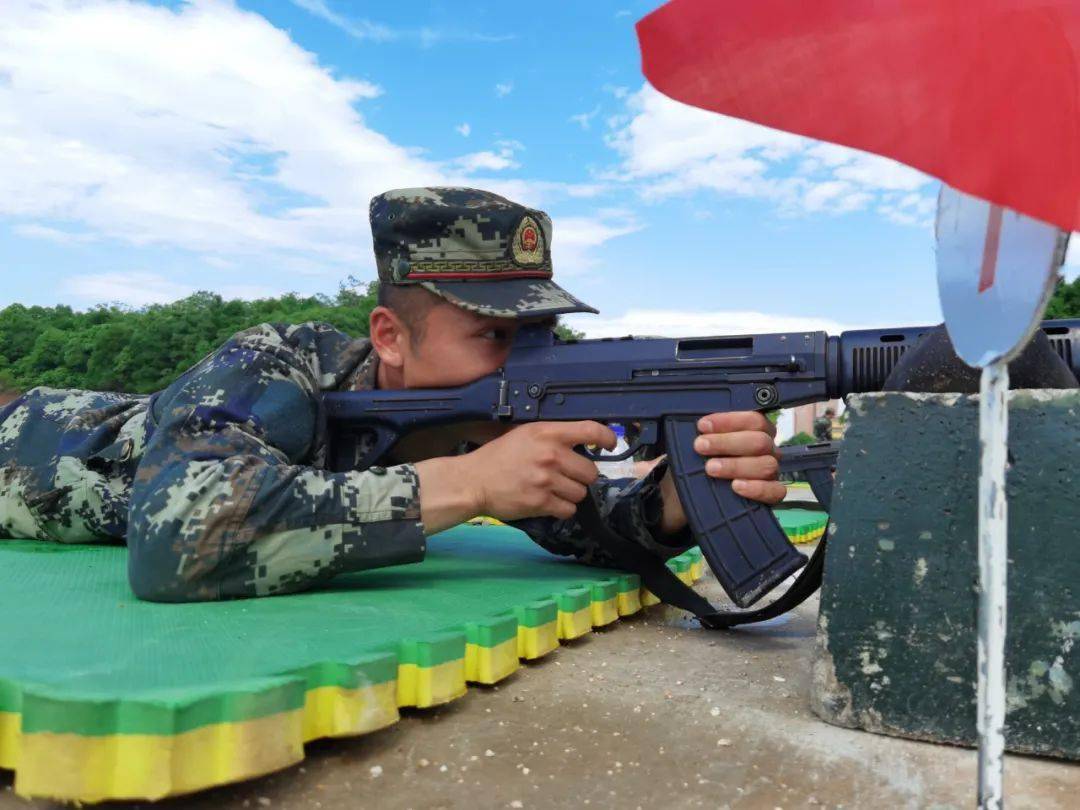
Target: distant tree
{"x": 802, "y": 437}
{"x": 141, "y": 350}
{"x": 1065, "y": 303}
{"x": 566, "y": 333}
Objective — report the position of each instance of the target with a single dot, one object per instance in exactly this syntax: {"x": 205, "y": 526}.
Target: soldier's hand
{"x": 739, "y": 447}
{"x": 533, "y": 470}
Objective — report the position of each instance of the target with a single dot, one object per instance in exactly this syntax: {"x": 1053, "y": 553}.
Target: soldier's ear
{"x": 389, "y": 336}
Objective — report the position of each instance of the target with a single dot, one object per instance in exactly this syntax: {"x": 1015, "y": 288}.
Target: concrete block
{"x": 895, "y": 650}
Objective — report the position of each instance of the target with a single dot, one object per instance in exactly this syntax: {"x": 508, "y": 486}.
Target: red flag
{"x": 984, "y": 94}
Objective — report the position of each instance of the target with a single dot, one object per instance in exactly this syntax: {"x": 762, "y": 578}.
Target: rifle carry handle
{"x": 741, "y": 539}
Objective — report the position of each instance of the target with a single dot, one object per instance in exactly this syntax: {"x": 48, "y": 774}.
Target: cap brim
{"x": 509, "y": 298}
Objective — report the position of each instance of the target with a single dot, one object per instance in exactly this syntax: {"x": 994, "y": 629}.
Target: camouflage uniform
{"x": 219, "y": 484}
{"x": 823, "y": 429}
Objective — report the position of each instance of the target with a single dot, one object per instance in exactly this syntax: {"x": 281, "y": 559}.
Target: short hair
{"x": 411, "y": 303}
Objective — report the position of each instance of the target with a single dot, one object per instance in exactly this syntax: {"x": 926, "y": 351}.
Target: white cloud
{"x": 34, "y": 231}
{"x": 433, "y": 36}
{"x": 541, "y": 193}
{"x": 486, "y": 161}
{"x": 584, "y": 120}
{"x": 138, "y": 289}
{"x": 202, "y": 127}
{"x": 134, "y": 289}
{"x": 909, "y": 209}
{"x": 358, "y": 29}
{"x": 463, "y": 130}
{"x": 366, "y": 30}
{"x": 187, "y": 127}
{"x": 663, "y": 137}
{"x": 219, "y": 263}
{"x": 502, "y": 157}
{"x": 668, "y": 148}
{"x": 576, "y": 238}
{"x": 503, "y": 89}
{"x": 838, "y": 196}
{"x": 688, "y": 323}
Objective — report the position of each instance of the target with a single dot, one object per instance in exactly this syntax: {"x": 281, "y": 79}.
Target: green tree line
{"x": 117, "y": 348}
{"x": 1066, "y": 300}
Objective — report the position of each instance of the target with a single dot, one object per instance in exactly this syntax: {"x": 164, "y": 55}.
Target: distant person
{"x": 823, "y": 426}
{"x": 219, "y": 485}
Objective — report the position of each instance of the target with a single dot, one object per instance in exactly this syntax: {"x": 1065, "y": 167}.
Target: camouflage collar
{"x": 366, "y": 375}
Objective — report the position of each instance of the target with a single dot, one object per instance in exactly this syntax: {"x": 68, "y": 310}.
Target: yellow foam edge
{"x": 488, "y": 665}
{"x": 536, "y": 642}
{"x": 424, "y": 687}
{"x": 574, "y": 624}
{"x": 604, "y": 612}
{"x": 628, "y": 603}
{"x": 334, "y": 711}
{"x": 10, "y": 727}
{"x": 136, "y": 766}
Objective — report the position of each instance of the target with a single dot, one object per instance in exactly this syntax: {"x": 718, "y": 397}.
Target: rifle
{"x": 660, "y": 387}
{"x": 817, "y": 463}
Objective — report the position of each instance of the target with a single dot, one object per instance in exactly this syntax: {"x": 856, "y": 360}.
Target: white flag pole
{"x": 993, "y": 559}
{"x": 996, "y": 271}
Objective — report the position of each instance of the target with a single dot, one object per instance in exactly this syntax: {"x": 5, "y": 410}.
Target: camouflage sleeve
{"x": 632, "y": 507}
{"x": 221, "y": 507}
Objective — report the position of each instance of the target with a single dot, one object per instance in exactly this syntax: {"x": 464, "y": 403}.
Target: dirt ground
{"x": 654, "y": 712}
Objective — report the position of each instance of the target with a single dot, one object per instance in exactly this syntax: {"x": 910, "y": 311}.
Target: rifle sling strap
{"x": 667, "y": 587}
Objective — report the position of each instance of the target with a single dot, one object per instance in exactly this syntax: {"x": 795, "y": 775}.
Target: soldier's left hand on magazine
{"x": 740, "y": 447}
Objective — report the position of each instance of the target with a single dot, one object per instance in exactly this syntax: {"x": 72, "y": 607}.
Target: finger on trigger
{"x": 606, "y": 437}
{"x": 586, "y": 433}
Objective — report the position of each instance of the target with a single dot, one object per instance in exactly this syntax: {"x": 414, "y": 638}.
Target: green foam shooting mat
{"x": 802, "y": 525}
{"x": 105, "y": 697}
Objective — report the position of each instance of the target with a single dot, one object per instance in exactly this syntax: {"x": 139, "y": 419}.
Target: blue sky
{"x": 148, "y": 150}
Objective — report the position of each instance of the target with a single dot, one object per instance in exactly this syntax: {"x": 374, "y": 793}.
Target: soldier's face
{"x": 458, "y": 347}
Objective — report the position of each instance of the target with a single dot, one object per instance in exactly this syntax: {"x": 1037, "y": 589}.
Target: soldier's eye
{"x": 498, "y": 335}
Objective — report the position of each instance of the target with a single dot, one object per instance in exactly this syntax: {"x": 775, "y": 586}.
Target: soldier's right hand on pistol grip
{"x": 533, "y": 470}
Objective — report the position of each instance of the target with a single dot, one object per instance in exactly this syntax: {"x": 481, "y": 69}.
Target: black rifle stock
{"x": 661, "y": 387}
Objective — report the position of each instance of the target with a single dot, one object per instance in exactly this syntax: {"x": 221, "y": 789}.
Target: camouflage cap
{"x": 479, "y": 251}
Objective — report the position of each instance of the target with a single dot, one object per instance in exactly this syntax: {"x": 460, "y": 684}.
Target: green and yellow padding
{"x": 150, "y": 743}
